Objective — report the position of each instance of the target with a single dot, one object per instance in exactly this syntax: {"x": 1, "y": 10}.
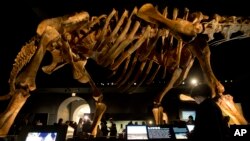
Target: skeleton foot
{"x": 228, "y": 106}
{"x": 100, "y": 109}
{"x": 158, "y": 114}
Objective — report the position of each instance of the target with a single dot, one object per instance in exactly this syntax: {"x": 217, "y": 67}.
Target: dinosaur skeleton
{"x": 145, "y": 38}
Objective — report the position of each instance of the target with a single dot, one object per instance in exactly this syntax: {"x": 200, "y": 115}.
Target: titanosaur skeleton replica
{"x": 144, "y": 36}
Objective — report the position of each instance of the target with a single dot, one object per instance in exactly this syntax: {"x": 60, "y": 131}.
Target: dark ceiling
{"x": 18, "y": 25}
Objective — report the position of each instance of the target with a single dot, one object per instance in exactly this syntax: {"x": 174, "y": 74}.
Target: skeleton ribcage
{"x": 135, "y": 50}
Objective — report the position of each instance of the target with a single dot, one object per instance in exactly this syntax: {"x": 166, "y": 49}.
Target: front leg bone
{"x": 200, "y": 49}
{"x": 158, "y": 110}
{"x": 100, "y": 106}
{"x": 7, "y": 118}
{"x": 81, "y": 74}
{"x": 100, "y": 110}
{"x": 27, "y": 77}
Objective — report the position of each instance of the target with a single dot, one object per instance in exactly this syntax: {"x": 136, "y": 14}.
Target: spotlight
{"x": 194, "y": 82}
{"x": 150, "y": 122}
{"x": 73, "y": 94}
{"x": 86, "y": 117}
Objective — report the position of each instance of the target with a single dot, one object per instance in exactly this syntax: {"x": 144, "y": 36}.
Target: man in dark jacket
{"x": 209, "y": 124}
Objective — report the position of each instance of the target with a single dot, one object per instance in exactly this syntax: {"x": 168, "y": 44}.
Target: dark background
{"x": 230, "y": 60}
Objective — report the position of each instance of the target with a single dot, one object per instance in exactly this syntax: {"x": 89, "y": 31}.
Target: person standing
{"x": 79, "y": 132}
{"x": 104, "y": 129}
{"x": 113, "y": 131}
{"x": 209, "y": 122}
{"x": 190, "y": 120}
{"x": 60, "y": 122}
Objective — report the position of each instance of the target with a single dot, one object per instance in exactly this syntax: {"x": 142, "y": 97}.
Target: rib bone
{"x": 123, "y": 45}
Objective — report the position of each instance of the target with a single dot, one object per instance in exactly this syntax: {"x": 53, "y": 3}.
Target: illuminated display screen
{"x": 180, "y": 132}
{"x": 41, "y": 136}
{"x": 137, "y": 132}
{"x": 190, "y": 127}
{"x": 185, "y": 114}
{"x": 157, "y": 132}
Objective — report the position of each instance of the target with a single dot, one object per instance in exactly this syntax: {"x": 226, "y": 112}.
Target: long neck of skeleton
{"x": 227, "y": 26}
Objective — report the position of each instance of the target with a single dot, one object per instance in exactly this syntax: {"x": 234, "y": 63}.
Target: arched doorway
{"x": 73, "y": 108}
{"x": 80, "y": 111}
